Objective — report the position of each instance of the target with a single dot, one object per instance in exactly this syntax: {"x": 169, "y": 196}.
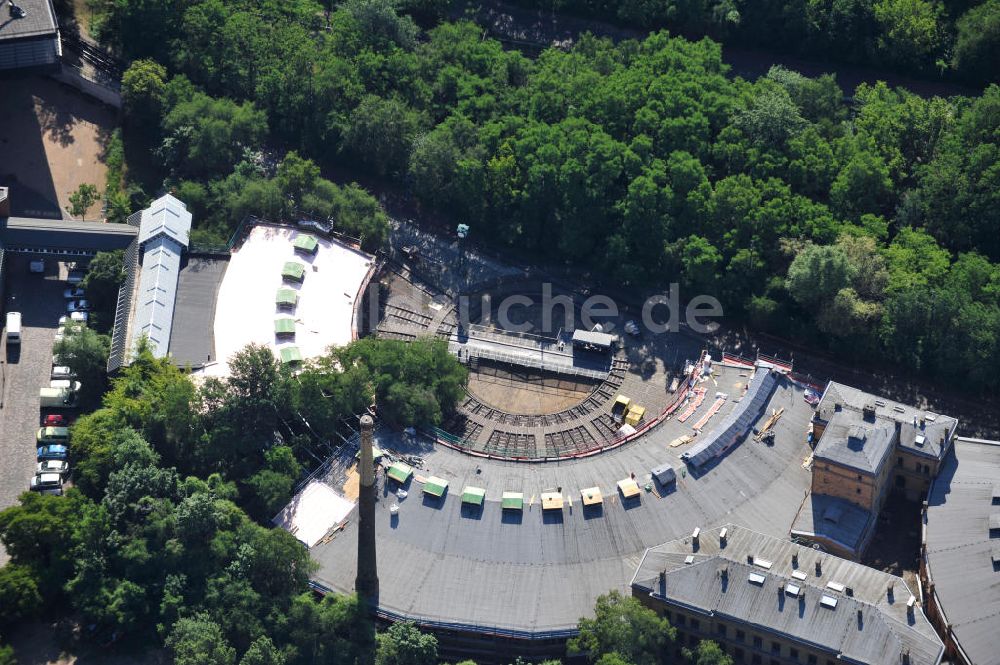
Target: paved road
{"x": 23, "y": 371}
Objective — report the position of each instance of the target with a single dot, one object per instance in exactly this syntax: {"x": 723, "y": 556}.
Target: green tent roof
{"x": 291, "y": 354}
{"x": 306, "y": 243}
{"x": 286, "y": 296}
{"x": 400, "y": 472}
{"x": 294, "y": 270}
{"x": 512, "y": 501}
{"x": 473, "y": 495}
{"x": 435, "y": 486}
{"x": 284, "y": 326}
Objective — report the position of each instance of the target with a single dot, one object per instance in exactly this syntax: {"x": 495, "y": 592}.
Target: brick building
{"x": 866, "y": 447}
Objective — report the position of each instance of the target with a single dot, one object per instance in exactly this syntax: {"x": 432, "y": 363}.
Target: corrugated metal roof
{"x": 166, "y": 216}
{"x": 154, "y": 305}
{"x": 960, "y": 549}
{"x": 717, "y": 583}
{"x": 737, "y": 423}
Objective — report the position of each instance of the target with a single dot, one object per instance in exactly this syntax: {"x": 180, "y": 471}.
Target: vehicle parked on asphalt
{"x": 37, "y": 266}
{"x": 67, "y": 384}
{"x": 75, "y": 277}
{"x": 52, "y": 435}
{"x": 54, "y": 420}
{"x": 59, "y": 466}
{"x": 62, "y": 372}
{"x": 71, "y": 294}
{"x": 57, "y": 398}
{"x": 81, "y": 317}
{"x": 77, "y": 306}
{"x": 52, "y": 451}
{"x": 50, "y": 483}
{"x": 13, "y": 327}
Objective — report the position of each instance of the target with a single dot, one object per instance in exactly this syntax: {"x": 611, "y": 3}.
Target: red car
{"x": 54, "y": 420}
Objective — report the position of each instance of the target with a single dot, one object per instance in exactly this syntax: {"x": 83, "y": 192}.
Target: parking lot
{"x": 24, "y": 370}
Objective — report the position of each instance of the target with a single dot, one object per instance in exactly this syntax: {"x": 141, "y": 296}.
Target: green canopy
{"x": 435, "y": 486}
{"x": 306, "y": 243}
{"x": 286, "y": 296}
{"x": 291, "y": 354}
{"x": 473, "y": 495}
{"x": 294, "y": 270}
{"x": 512, "y": 501}
{"x": 400, "y": 472}
{"x": 284, "y": 326}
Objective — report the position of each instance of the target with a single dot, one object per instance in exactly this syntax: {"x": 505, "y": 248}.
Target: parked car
{"x": 62, "y": 372}
{"x": 77, "y": 306}
{"x": 59, "y": 466}
{"x": 54, "y": 420}
{"x": 50, "y": 483}
{"x": 75, "y": 277}
{"x": 73, "y": 293}
{"x": 52, "y": 435}
{"x": 80, "y": 317}
{"x": 66, "y": 384}
{"x": 52, "y": 451}
{"x": 37, "y": 266}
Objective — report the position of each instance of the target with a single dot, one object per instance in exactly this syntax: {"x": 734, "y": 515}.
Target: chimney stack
{"x": 366, "y": 583}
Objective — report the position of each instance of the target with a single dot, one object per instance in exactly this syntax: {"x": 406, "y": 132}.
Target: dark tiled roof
{"x": 866, "y": 627}
{"x": 856, "y": 442}
{"x": 960, "y": 550}
{"x": 913, "y": 421}
{"x": 40, "y": 19}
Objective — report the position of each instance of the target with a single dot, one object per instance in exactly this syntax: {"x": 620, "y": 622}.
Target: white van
{"x": 56, "y": 398}
{"x": 13, "y": 327}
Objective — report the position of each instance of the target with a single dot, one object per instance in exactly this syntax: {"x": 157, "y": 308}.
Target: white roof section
{"x": 311, "y": 514}
{"x": 324, "y": 312}
{"x": 166, "y": 216}
{"x": 153, "y": 311}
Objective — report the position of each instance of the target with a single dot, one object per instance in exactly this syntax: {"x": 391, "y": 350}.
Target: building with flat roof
{"x": 29, "y": 35}
{"x": 770, "y": 601}
{"x": 960, "y": 552}
{"x": 866, "y": 447}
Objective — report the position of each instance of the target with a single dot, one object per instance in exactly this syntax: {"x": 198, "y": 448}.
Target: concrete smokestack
{"x": 366, "y": 583}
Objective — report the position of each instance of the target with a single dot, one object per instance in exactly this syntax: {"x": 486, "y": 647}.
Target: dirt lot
{"x": 52, "y": 140}
{"x": 529, "y": 395}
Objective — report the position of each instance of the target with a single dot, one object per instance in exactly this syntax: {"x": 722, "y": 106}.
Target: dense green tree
{"x": 404, "y": 644}
{"x": 143, "y": 90}
{"x": 977, "y": 45}
{"x": 382, "y": 131}
{"x": 19, "y": 596}
{"x": 85, "y": 352}
{"x": 707, "y": 653}
{"x": 263, "y": 652}
{"x": 198, "y": 641}
{"x": 621, "y": 625}
{"x": 818, "y": 273}
{"x": 206, "y": 136}
{"x": 105, "y": 274}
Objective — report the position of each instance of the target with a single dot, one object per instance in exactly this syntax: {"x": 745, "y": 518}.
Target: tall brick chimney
{"x": 366, "y": 583}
